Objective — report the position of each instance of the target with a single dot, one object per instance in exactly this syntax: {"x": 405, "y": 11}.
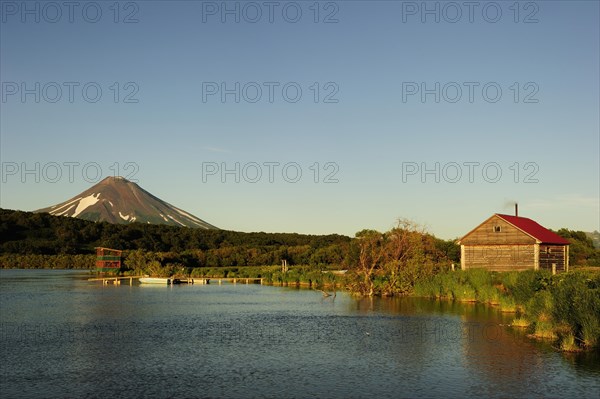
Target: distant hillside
{"x": 117, "y": 200}
{"x": 582, "y": 250}
{"x": 595, "y": 237}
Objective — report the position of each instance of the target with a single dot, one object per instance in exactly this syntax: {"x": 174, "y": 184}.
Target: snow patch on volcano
{"x": 85, "y": 203}
{"x": 58, "y": 211}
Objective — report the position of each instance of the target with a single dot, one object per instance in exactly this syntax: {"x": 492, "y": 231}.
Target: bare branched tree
{"x": 371, "y": 252}
{"x": 395, "y": 259}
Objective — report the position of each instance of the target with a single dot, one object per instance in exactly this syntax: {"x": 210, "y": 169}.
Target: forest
{"x": 37, "y": 240}
{"x": 43, "y": 236}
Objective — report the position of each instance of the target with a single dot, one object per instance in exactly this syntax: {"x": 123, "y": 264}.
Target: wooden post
{"x": 284, "y": 266}
{"x": 452, "y": 265}
{"x": 553, "y": 269}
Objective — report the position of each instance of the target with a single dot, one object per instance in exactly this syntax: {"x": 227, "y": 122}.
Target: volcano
{"x": 120, "y": 201}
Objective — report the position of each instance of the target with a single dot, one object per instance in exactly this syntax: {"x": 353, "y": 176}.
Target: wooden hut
{"x": 505, "y": 243}
{"x": 107, "y": 259}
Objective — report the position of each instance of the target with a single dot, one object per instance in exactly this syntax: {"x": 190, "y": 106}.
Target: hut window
{"x": 547, "y": 250}
{"x": 497, "y": 229}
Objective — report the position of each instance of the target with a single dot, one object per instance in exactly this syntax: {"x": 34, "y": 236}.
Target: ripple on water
{"x": 65, "y": 337}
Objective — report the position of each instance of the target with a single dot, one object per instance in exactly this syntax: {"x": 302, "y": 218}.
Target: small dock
{"x": 241, "y": 280}
{"x": 114, "y": 280}
{"x": 118, "y": 280}
{"x": 128, "y": 280}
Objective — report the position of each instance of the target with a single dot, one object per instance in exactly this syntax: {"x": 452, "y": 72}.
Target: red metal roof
{"x": 533, "y": 229}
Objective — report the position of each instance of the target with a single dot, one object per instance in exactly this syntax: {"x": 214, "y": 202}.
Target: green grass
{"x": 478, "y": 278}
{"x": 577, "y": 304}
{"x": 545, "y": 330}
{"x": 474, "y": 285}
{"x": 521, "y": 322}
{"x": 507, "y": 304}
{"x": 590, "y": 334}
{"x": 567, "y": 344}
{"x": 488, "y": 294}
{"x": 296, "y": 275}
{"x": 427, "y": 288}
{"x": 541, "y": 304}
{"x": 463, "y": 292}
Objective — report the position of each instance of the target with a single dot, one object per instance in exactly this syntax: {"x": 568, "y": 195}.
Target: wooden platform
{"x": 118, "y": 280}
{"x": 235, "y": 280}
{"x": 185, "y": 280}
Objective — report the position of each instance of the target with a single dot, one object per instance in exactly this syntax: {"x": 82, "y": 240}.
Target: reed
{"x": 521, "y": 322}
{"x": 507, "y": 304}
{"x": 567, "y": 343}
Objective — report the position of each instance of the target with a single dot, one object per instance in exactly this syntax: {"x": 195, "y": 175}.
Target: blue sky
{"x": 361, "y": 119}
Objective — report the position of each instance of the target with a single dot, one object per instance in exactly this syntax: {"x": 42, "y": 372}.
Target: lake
{"x": 62, "y": 336}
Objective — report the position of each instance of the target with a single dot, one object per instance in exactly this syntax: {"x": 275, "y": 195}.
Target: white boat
{"x": 158, "y": 280}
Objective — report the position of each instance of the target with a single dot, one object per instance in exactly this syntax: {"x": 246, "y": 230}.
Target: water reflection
{"x": 63, "y": 336}
{"x": 492, "y": 353}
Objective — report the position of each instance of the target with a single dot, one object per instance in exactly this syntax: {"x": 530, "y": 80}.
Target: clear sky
{"x": 440, "y": 112}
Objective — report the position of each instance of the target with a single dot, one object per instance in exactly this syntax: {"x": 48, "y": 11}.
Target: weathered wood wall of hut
{"x": 499, "y": 257}
{"x": 550, "y": 254}
{"x": 485, "y": 234}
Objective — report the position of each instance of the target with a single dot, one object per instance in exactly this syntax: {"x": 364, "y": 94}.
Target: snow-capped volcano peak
{"x": 117, "y": 200}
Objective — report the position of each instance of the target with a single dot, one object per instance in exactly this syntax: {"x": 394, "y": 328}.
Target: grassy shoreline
{"x": 564, "y": 308}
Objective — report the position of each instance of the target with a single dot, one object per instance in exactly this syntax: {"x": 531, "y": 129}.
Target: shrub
{"x": 523, "y": 285}
{"x": 577, "y": 303}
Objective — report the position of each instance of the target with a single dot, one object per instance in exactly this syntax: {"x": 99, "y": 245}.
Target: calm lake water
{"x": 62, "y": 336}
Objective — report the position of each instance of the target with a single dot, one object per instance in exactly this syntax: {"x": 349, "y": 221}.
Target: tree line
{"x": 386, "y": 261}
{"x": 42, "y": 234}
